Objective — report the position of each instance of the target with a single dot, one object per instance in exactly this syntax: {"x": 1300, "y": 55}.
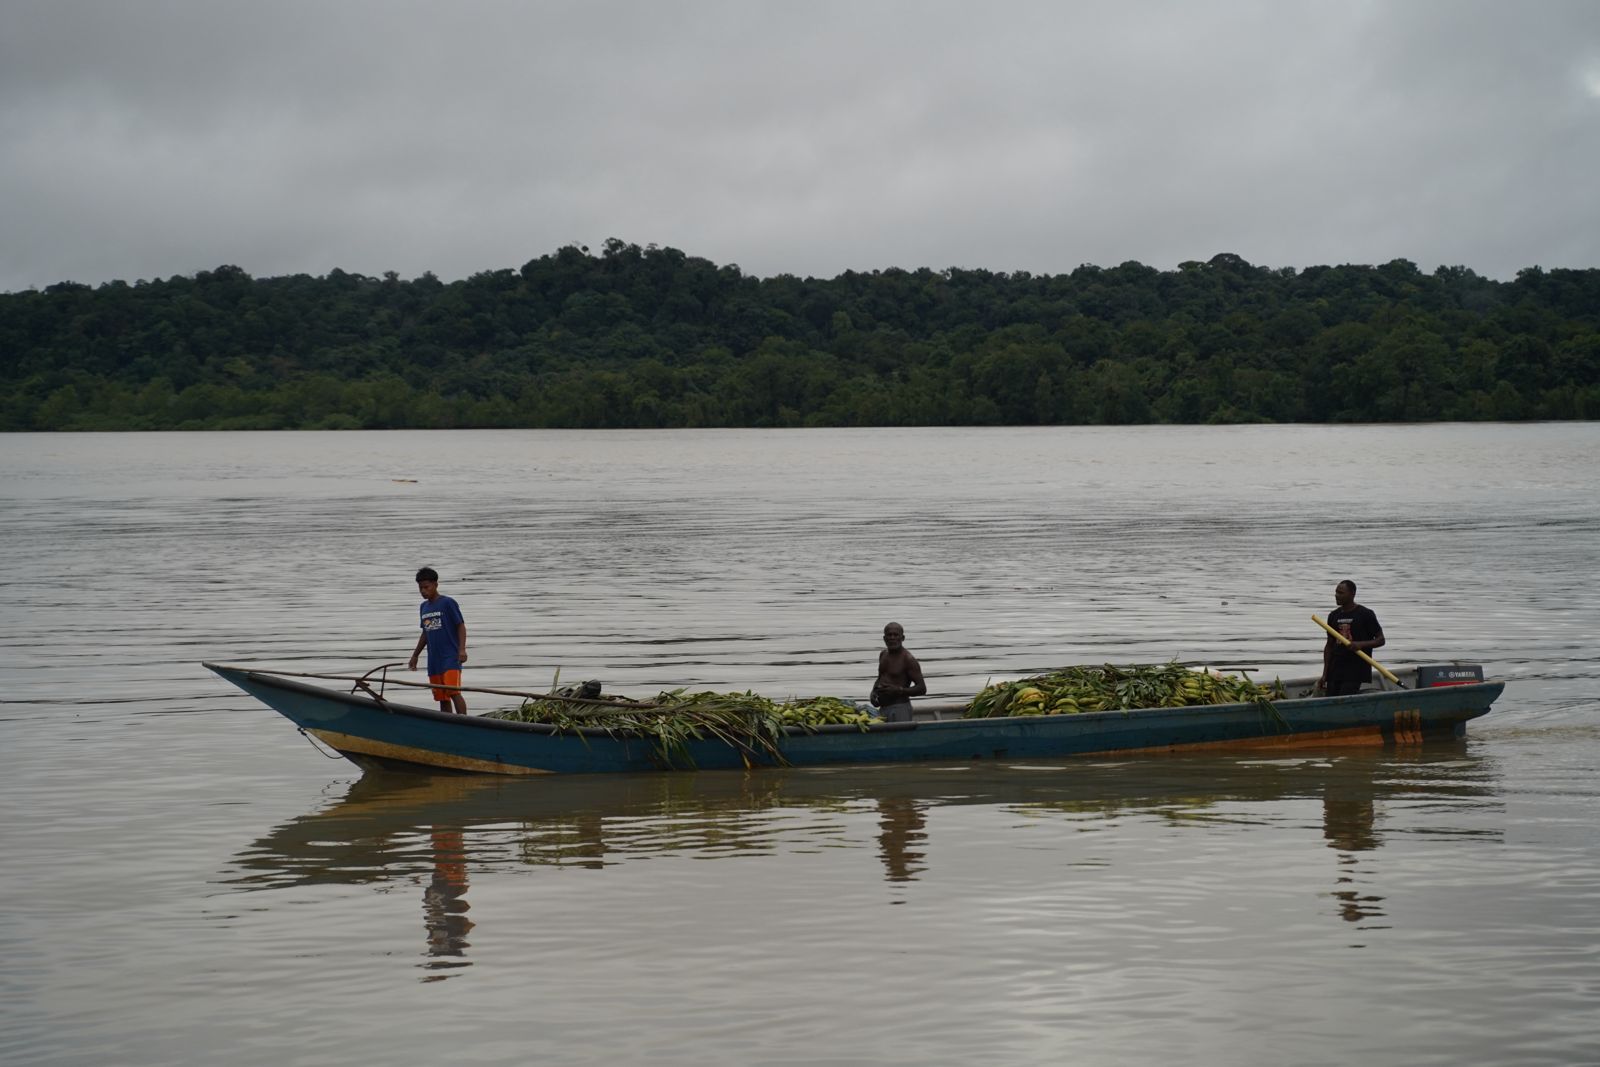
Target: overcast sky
{"x": 145, "y": 139}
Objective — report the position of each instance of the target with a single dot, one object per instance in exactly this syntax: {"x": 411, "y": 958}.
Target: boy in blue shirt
{"x": 444, "y": 635}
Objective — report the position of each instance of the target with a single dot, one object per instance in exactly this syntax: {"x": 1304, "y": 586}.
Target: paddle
{"x": 1345, "y": 641}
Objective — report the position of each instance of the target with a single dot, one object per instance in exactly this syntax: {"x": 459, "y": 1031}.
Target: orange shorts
{"x": 447, "y": 678}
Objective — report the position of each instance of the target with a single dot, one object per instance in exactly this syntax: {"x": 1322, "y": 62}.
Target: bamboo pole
{"x": 456, "y": 688}
{"x": 1345, "y": 641}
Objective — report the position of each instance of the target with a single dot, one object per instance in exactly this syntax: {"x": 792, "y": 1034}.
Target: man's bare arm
{"x": 917, "y": 687}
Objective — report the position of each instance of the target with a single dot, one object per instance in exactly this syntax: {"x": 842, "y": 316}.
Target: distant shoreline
{"x": 654, "y": 339}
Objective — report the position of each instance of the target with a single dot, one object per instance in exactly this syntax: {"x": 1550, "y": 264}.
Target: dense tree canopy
{"x": 652, "y": 337}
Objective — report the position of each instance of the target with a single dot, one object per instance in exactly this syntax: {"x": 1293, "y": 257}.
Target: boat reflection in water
{"x": 444, "y": 903}
{"x": 902, "y": 828}
{"x": 433, "y": 830}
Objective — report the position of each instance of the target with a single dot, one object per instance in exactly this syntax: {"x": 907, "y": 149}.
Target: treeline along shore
{"x": 636, "y": 337}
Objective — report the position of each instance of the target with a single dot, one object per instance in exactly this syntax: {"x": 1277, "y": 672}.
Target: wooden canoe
{"x": 375, "y": 731}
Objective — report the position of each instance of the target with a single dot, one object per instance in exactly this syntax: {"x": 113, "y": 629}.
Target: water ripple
{"x": 187, "y": 880}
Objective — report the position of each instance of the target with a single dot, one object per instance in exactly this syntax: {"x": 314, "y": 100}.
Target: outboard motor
{"x": 1454, "y": 674}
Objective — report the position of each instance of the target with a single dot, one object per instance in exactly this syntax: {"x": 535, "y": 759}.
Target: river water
{"x": 187, "y": 880}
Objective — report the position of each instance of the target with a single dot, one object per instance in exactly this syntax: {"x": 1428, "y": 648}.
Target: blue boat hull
{"x": 381, "y": 733}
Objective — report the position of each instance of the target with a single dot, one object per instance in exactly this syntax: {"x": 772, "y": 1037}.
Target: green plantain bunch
{"x": 810, "y": 712}
{"x": 1070, "y": 690}
{"x": 755, "y": 725}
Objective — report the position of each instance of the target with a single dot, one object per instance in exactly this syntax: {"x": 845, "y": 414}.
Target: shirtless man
{"x": 899, "y": 677}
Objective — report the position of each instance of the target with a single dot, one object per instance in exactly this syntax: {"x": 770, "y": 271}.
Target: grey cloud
{"x": 141, "y": 140}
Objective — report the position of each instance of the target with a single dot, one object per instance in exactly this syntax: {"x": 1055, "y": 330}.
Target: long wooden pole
{"x": 1345, "y": 641}
{"x": 623, "y": 704}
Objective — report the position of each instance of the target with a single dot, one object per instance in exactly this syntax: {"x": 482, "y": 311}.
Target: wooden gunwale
{"x": 282, "y": 680}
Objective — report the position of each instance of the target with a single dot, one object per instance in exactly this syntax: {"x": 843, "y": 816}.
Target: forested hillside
{"x": 652, "y": 337}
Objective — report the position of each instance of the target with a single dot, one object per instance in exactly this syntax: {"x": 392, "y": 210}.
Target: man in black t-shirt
{"x": 1343, "y": 671}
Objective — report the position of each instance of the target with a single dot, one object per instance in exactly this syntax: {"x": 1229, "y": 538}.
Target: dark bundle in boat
{"x": 1069, "y": 690}
{"x": 748, "y": 721}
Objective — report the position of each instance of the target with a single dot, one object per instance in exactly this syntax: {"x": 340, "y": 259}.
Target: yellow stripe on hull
{"x": 364, "y": 746}
{"x": 1358, "y": 735}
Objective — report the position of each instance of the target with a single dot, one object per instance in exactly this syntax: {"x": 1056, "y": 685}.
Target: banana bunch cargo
{"x": 615, "y": 710}
{"x": 825, "y": 711}
{"x": 1070, "y": 690}
{"x": 753, "y": 724}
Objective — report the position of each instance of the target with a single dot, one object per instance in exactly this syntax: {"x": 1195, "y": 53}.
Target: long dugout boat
{"x": 376, "y": 732}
